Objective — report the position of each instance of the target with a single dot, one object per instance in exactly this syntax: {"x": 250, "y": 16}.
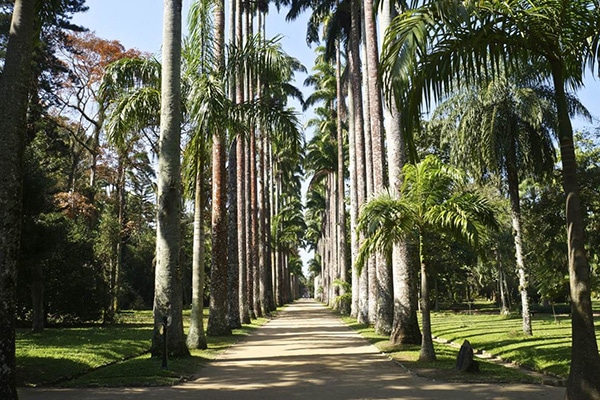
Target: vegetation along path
{"x": 306, "y": 353}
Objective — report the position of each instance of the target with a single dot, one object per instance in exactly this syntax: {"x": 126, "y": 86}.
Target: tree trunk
{"x": 353, "y": 201}
{"x": 383, "y": 292}
{"x": 196, "y": 339}
{"x": 233, "y": 281}
{"x": 504, "y": 308}
{"x": 14, "y": 88}
{"x": 167, "y": 287}
{"x": 515, "y": 214}
{"x": 584, "y": 374}
{"x": 405, "y": 326}
{"x": 427, "y": 351}
{"x": 341, "y": 169}
{"x": 217, "y": 318}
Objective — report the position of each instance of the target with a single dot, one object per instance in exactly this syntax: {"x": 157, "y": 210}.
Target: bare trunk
{"x": 167, "y": 288}
{"x": 233, "y": 281}
{"x": 341, "y": 169}
{"x": 196, "y": 339}
{"x": 217, "y": 318}
{"x": 14, "y": 88}
{"x": 504, "y": 308}
{"x": 515, "y": 213}
{"x": 427, "y": 351}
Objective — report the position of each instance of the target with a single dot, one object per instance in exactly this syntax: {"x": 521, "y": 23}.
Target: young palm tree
{"x": 433, "y": 197}
{"x": 14, "y": 90}
{"x": 442, "y": 44}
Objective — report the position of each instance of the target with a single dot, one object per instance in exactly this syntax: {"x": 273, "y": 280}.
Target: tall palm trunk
{"x": 405, "y": 326}
{"x": 584, "y": 374}
{"x": 362, "y": 314}
{"x": 196, "y": 339}
{"x": 233, "y": 281}
{"x": 353, "y": 199}
{"x": 167, "y": 287}
{"x": 14, "y": 88}
{"x": 383, "y": 291}
{"x": 242, "y": 198}
{"x": 341, "y": 169}
{"x": 217, "y": 318}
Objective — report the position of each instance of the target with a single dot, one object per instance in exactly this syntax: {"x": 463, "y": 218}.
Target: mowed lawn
{"x": 113, "y": 355}
{"x": 548, "y": 350}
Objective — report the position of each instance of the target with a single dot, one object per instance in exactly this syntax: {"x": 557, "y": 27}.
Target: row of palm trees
{"x": 503, "y": 68}
{"x": 242, "y": 152}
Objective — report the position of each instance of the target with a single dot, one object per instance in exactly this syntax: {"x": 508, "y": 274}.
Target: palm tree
{"x": 433, "y": 198}
{"x": 14, "y": 90}
{"x": 167, "y": 289}
{"x": 503, "y": 128}
{"x": 436, "y": 44}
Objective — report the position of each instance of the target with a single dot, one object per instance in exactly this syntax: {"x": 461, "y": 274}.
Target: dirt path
{"x": 306, "y": 353}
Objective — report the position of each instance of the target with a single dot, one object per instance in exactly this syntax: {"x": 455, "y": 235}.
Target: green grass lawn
{"x": 115, "y": 355}
{"x": 548, "y": 350}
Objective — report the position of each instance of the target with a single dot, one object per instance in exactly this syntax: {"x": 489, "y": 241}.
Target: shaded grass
{"x": 114, "y": 355}
{"x": 548, "y": 350}
{"x": 444, "y": 367}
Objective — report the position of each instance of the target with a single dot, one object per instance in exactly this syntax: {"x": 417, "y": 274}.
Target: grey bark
{"x": 383, "y": 291}
{"x": 405, "y": 326}
{"x": 167, "y": 287}
{"x": 14, "y": 89}
{"x": 196, "y": 338}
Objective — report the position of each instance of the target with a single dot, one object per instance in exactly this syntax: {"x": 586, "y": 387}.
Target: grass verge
{"x": 547, "y": 351}
{"x": 115, "y": 355}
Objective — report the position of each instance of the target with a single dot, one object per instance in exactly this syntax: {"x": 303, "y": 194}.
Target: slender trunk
{"x": 504, "y": 309}
{"x": 515, "y": 213}
{"x": 241, "y": 233}
{"x": 38, "y": 317}
{"x": 584, "y": 374}
{"x": 267, "y": 167}
{"x": 341, "y": 169}
{"x": 167, "y": 288}
{"x": 14, "y": 88}
{"x": 233, "y": 281}
{"x": 196, "y": 339}
{"x": 427, "y": 351}
{"x": 255, "y": 231}
{"x": 361, "y": 157}
{"x": 353, "y": 202}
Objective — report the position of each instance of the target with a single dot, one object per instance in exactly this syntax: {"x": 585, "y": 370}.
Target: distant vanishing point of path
{"x": 305, "y": 353}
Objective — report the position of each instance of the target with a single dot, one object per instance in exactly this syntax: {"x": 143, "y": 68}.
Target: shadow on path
{"x": 306, "y": 353}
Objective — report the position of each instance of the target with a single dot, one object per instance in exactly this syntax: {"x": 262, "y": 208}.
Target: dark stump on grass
{"x": 465, "y": 362}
